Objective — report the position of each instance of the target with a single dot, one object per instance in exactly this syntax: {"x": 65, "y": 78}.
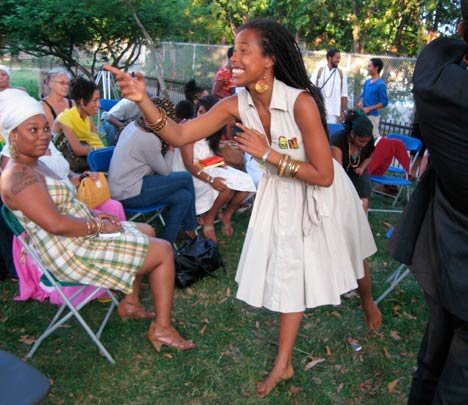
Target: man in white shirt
{"x": 333, "y": 83}
{"x": 118, "y": 116}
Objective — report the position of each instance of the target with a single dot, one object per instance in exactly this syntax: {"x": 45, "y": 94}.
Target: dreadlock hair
{"x": 278, "y": 43}
{"x": 213, "y": 140}
{"x": 82, "y": 89}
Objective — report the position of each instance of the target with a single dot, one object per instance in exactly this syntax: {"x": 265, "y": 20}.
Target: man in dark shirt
{"x": 432, "y": 236}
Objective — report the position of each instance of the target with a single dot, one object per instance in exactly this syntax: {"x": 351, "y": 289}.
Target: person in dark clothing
{"x": 432, "y": 236}
{"x": 353, "y": 148}
{"x": 6, "y": 258}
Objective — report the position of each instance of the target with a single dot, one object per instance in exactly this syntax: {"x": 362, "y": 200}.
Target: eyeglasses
{"x": 62, "y": 83}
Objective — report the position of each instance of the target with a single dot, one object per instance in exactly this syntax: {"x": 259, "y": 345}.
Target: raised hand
{"x": 132, "y": 88}
{"x": 251, "y": 141}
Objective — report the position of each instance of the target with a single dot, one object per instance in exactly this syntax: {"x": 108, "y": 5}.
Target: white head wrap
{"x": 16, "y": 106}
{"x": 5, "y": 69}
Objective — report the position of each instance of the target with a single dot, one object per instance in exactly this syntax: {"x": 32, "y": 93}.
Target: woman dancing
{"x": 308, "y": 234}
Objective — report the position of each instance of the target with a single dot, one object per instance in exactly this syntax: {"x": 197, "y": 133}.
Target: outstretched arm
{"x": 133, "y": 88}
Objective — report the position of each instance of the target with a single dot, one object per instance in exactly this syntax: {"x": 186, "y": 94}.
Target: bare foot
{"x": 226, "y": 227}
{"x": 208, "y": 229}
{"x": 373, "y": 315}
{"x": 276, "y": 375}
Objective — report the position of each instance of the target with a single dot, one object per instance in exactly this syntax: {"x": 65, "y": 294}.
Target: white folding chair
{"x": 62, "y": 315}
{"x": 397, "y": 276}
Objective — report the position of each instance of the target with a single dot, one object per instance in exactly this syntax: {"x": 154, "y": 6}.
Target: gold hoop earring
{"x": 13, "y": 150}
{"x": 262, "y": 85}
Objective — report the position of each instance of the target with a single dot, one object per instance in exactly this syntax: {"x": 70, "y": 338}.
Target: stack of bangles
{"x": 288, "y": 167}
{"x": 209, "y": 179}
{"x": 95, "y": 226}
{"x": 157, "y": 126}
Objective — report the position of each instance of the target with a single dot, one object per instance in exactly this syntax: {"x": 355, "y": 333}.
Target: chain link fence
{"x": 181, "y": 62}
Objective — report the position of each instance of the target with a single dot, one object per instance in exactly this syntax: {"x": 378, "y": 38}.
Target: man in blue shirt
{"x": 374, "y": 94}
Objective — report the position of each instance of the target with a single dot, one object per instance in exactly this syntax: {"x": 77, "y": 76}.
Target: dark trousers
{"x": 6, "y": 255}
{"x": 442, "y": 373}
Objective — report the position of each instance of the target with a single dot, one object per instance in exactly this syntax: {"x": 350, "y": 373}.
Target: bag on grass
{"x": 196, "y": 259}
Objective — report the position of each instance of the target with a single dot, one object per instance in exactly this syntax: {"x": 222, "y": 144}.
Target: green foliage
{"x": 106, "y": 29}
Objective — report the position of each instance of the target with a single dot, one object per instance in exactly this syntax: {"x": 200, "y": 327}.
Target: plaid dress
{"x": 110, "y": 263}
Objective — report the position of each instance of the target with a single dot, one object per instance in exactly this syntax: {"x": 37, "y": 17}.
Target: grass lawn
{"x": 26, "y": 78}
{"x": 230, "y": 358}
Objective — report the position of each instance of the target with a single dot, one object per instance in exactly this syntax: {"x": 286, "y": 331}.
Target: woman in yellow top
{"x": 75, "y": 122}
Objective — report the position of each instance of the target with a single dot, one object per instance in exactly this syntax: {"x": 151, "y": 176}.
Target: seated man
{"x": 117, "y": 117}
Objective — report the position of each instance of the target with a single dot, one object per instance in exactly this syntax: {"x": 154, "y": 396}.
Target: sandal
{"x": 128, "y": 310}
{"x": 209, "y": 232}
{"x": 226, "y": 227}
{"x": 169, "y": 337}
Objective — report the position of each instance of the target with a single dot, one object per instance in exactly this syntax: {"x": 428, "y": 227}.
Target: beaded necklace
{"x": 353, "y": 161}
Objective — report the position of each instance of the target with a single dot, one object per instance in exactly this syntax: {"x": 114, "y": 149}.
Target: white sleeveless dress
{"x": 305, "y": 244}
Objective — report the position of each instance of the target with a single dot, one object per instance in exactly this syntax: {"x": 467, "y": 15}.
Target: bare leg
{"x": 207, "y": 220}
{"x": 130, "y": 306}
{"x": 283, "y": 369}
{"x": 226, "y": 216}
{"x": 373, "y": 315}
{"x": 159, "y": 265}
{"x": 365, "y": 204}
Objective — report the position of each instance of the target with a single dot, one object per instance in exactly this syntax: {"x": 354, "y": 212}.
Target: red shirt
{"x": 224, "y": 75}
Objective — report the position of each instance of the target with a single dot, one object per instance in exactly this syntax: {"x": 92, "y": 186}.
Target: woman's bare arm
{"x": 337, "y": 154}
{"x": 133, "y": 88}
{"x": 76, "y": 146}
{"x": 21, "y": 185}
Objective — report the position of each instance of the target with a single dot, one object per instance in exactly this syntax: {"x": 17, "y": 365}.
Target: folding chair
{"x": 48, "y": 279}
{"x": 396, "y": 278}
{"x": 21, "y": 383}
{"x": 334, "y": 128}
{"x": 402, "y": 183}
{"x": 105, "y": 104}
{"x": 99, "y": 161}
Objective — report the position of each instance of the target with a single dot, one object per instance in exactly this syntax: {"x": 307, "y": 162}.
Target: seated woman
{"x": 75, "y": 123}
{"x": 140, "y": 175}
{"x": 29, "y": 275}
{"x": 67, "y": 235}
{"x": 217, "y": 186}
{"x": 56, "y": 101}
{"x": 353, "y": 148}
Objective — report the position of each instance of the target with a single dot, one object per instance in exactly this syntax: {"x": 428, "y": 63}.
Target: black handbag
{"x": 196, "y": 259}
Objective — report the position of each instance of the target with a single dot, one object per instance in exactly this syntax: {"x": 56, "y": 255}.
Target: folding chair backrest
{"x": 99, "y": 159}
{"x": 11, "y": 221}
{"x": 411, "y": 144}
{"x": 334, "y": 128}
{"x": 107, "y": 103}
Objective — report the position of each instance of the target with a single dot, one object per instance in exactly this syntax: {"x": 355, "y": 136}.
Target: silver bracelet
{"x": 266, "y": 154}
